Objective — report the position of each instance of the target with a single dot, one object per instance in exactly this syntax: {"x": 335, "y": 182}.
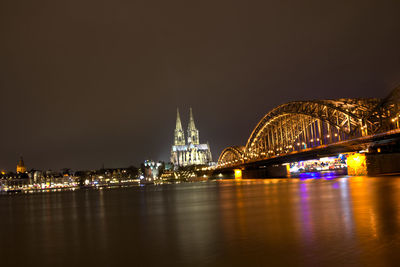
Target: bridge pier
{"x": 382, "y": 163}
{"x": 371, "y": 164}
{"x": 273, "y": 171}
{"x": 357, "y": 164}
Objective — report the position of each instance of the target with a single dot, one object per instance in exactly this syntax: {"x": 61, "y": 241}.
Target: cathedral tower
{"x": 190, "y": 153}
{"x": 192, "y": 132}
{"x": 21, "y": 166}
{"x": 179, "y": 139}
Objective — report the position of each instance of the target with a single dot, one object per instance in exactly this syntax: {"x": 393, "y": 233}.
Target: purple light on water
{"x": 318, "y": 175}
{"x": 335, "y": 185}
{"x": 308, "y": 175}
{"x": 303, "y": 190}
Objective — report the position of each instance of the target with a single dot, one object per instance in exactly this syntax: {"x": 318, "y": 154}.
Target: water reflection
{"x": 325, "y": 221}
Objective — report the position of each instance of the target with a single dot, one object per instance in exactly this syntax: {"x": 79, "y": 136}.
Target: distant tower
{"x": 21, "y": 166}
{"x": 193, "y": 133}
{"x": 179, "y": 139}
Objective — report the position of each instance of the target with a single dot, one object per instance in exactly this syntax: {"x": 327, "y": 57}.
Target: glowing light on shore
{"x": 238, "y": 174}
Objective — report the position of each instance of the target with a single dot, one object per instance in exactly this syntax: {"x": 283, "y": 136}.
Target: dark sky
{"x": 86, "y": 82}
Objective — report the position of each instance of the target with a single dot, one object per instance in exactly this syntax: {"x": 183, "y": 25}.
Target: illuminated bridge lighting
{"x": 307, "y": 125}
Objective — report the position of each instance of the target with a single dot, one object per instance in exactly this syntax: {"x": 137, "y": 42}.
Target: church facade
{"x": 186, "y": 152}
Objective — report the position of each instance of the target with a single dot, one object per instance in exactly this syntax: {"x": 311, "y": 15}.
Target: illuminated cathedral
{"x": 190, "y": 152}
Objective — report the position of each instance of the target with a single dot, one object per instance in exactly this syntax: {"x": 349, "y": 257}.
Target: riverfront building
{"x": 189, "y": 152}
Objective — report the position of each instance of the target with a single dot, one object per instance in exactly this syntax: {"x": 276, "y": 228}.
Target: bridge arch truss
{"x": 231, "y": 155}
{"x": 300, "y": 125}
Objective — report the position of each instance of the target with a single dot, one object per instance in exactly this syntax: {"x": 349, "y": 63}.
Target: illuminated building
{"x": 21, "y": 166}
{"x": 152, "y": 169}
{"x": 190, "y": 152}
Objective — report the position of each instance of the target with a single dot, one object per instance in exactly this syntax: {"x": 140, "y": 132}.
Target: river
{"x": 346, "y": 221}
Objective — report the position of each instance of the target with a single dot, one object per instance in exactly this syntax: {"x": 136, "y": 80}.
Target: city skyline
{"x": 200, "y": 133}
{"x": 73, "y": 98}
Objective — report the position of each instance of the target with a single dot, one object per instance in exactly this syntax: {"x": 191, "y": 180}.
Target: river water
{"x": 348, "y": 221}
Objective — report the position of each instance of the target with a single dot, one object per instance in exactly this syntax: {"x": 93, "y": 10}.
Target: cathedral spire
{"x": 178, "y": 120}
{"x": 191, "y": 125}
{"x": 179, "y": 138}
{"x": 193, "y": 133}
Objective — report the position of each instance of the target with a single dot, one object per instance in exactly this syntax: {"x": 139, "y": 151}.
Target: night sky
{"x": 86, "y": 82}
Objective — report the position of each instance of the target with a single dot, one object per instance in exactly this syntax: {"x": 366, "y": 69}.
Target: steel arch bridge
{"x": 306, "y": 125}
{"x": 231, "y": 155}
